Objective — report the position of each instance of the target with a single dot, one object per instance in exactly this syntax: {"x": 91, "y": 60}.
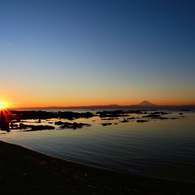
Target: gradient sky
{"x": 97, "y": 52}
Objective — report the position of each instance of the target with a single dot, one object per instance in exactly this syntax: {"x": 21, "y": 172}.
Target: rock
{"x": 141, "y": 121}
{"x": 125, "y": 121}
{"x": 106, "y": 124}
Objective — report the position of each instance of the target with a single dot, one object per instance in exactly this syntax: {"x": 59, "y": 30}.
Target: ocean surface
{"x": 163, "y": 148}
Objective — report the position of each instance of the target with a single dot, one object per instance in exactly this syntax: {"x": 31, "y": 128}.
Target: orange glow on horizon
{"x": 20, "y": 96}
{"x": 85, "y": 104}
{"x": 76, "y": 100}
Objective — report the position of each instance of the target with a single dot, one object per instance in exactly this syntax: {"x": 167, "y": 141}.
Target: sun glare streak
{"x": 6, "y": 118}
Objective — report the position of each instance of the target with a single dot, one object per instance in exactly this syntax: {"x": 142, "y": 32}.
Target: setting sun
{"x": 1, "y": 105}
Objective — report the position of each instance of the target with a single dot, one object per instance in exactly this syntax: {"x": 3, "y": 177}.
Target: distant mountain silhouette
{"x": 145, "y": 103}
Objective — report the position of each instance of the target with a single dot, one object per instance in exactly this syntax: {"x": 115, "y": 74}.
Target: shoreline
{"x": 26, "y": 171}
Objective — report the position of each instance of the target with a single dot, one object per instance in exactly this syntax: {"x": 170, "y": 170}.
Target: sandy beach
{"x": 24, "y": 171}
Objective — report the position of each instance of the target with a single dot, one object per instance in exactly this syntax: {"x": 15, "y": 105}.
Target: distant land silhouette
{"x": 145, "y": 103}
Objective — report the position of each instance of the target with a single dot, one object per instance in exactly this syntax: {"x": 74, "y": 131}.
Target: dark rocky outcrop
{"x": 106, "y": 124}
{"x": 47, "y": 115}
{"x": 117, "y": 113}
{"x": 67, "y": 125}
{"x": 141, "y": 121}
{"x": 124, "y": 120}
{"x": 36, "y": 127}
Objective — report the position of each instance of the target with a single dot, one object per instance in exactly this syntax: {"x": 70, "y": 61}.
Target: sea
{"x": 160, "y": 148}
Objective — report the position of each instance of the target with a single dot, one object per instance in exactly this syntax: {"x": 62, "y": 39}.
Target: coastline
{"x": 25, "y": 171}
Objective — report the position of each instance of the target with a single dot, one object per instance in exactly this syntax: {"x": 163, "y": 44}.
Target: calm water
{"x": 161, "y": 148}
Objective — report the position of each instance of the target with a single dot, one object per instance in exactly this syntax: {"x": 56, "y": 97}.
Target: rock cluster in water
{"x": 11, "y": 119}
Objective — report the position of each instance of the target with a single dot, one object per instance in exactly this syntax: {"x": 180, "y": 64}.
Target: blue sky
{"x": 97, "y": 52}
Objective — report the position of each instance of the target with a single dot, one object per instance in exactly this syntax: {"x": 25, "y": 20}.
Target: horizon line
{"x": 91, "y": 106}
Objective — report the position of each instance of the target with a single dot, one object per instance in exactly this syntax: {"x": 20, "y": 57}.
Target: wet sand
{"x": 24, "y": 171}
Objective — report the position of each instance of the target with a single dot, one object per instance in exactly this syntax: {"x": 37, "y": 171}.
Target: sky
{"x": 97, "y": 52}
